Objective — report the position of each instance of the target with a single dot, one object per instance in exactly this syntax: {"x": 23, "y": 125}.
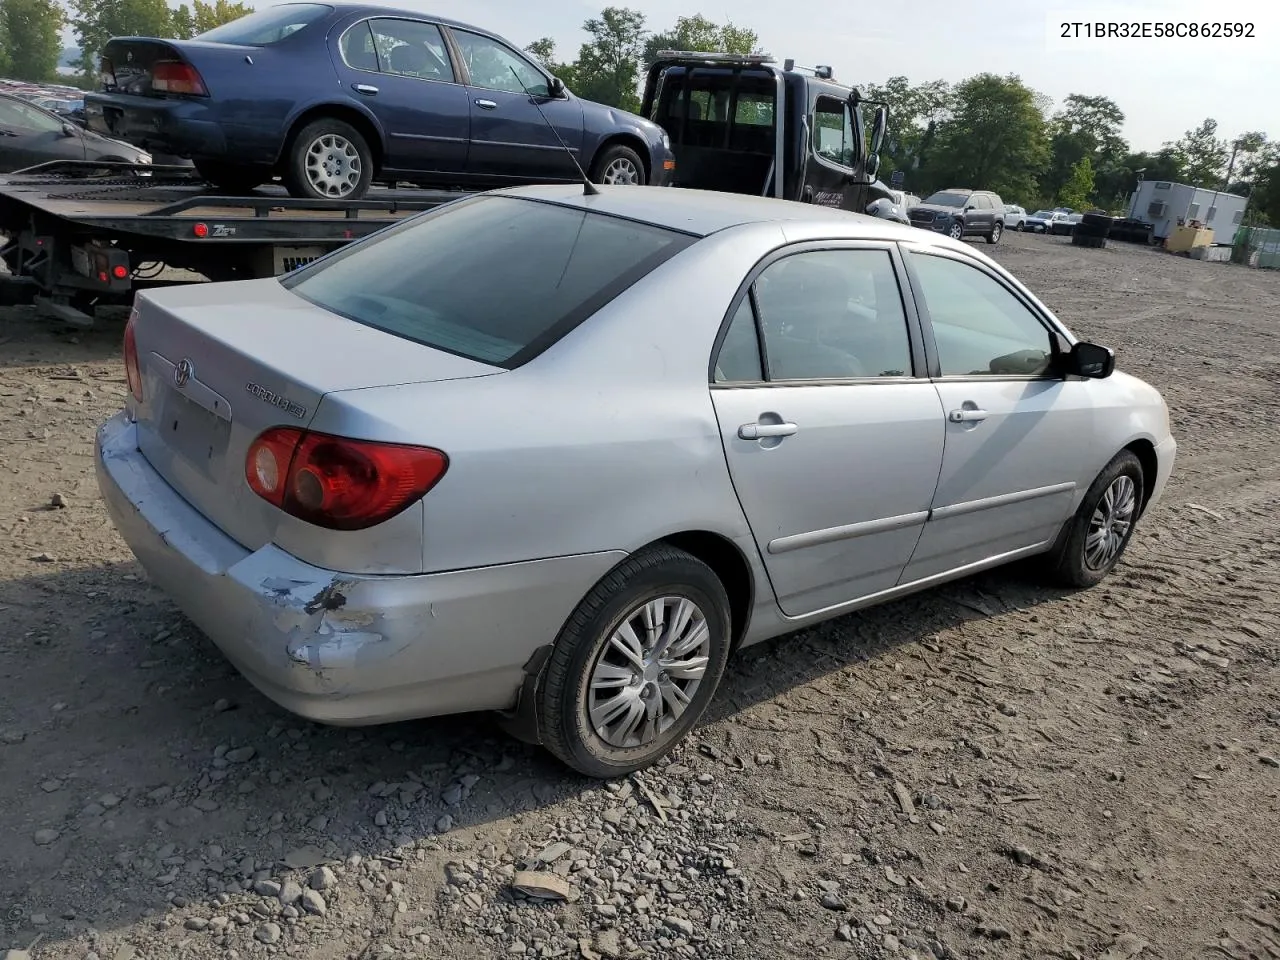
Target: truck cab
{"x": 741, "y": 124}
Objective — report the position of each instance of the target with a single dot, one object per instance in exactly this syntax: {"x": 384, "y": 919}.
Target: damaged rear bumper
{"x": 334, "y": 647}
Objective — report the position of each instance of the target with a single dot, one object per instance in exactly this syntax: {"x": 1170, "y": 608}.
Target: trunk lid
{"x": 127, "y": 63}
{"x": 221, "y": 364}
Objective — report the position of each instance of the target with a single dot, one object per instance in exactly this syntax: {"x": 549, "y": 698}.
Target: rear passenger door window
{"x": 411, "y": 48}
{"x": 833, "y": 315}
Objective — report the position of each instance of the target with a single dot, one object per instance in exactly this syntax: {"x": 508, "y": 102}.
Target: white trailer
{"x": 1162, "y": 204}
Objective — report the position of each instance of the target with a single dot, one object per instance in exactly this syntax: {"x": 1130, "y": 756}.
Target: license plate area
{"x": 193, "y": 433}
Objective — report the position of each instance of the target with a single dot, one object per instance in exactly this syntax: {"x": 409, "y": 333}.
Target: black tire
{"x": 612, "y": 162}
{"x": 347, "y": 152}
{"x": 956, "y": 230}
{"x": 997, "y": 230}
{"x": 230, "y": 178}
{"x": 1068, "y": 564}
{"x": 563, "y": 698}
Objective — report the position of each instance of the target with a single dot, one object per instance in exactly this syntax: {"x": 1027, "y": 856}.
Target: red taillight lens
{"x": 132, "y": 373}
{"x": 339, "y": 483}
{"x": 174, "y": 76}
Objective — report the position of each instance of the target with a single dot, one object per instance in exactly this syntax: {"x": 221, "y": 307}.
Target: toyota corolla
{"x": 558, "y": 455}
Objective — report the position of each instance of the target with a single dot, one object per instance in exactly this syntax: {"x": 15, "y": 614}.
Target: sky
{"x": 1164, "y": 87}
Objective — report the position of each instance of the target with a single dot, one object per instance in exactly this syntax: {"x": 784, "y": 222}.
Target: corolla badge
{"x": 276, "y": 400}
{"x": 183, "y": 372}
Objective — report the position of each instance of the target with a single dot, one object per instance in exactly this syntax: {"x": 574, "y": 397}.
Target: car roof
{"x": 703, "y": 212}
{"x": 380, "y": 9}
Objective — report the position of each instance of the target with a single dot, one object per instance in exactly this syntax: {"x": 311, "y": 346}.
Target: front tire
{"x": 636, "y": 664}
{"x": 618, "y": 165}
{"x": 1095, "y": 539}
{"x": 957, "y": 231}
{"x": 996, "y": 232}
{"x": 328, "y": 159}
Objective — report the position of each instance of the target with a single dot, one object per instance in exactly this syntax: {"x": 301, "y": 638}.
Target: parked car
{"x": 1014, "y": 217}
{"x": 333, "y": 98}
{"x": 526, "y": 453}
{"x": 30, "y": 135}
{"x": 960, "y": 212}
{"x": 72, "y": 110}
{"x": 1047, "y": 221}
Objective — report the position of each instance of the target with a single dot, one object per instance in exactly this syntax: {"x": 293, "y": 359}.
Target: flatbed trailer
{"x": 72, "y": 241}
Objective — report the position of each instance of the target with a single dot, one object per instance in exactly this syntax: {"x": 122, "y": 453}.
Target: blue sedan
{"x": 332, "y": 98}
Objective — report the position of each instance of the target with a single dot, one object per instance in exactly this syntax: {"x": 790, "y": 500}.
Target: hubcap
{"x": 995, "y": 234}
{"x": 957, "y": 231}
{"x": 1110, "y": 524}
{"x": 333, "y": 165}
{"x": 621, "y": 171}
{"x": 648, "y": 672}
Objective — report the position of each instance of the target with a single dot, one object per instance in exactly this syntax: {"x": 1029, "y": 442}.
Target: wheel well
{"x": 346, "y": 115}
{"x": 1145, "y": 451}
{"x": 636, "y": 144}
{"x": 728, "y": 563}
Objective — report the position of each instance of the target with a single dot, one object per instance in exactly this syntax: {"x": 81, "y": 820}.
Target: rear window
{"x": 267, "y": 26}
{"x": 494, "y": 279}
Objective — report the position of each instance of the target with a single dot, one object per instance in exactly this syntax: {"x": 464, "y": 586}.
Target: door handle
{"x": 487, "y": 104}
{"x": 967, "y": 416}
{"x": 367, "y": 89}
{"x": 761, "y": 431}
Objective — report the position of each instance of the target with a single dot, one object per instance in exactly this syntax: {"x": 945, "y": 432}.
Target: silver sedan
{"x": 558, "y": 455}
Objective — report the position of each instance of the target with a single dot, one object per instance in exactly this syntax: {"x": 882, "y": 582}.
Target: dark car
{"x": 960, "y": 212}
{"x": 334, "y": 97}
{"x": 30, "y": 134}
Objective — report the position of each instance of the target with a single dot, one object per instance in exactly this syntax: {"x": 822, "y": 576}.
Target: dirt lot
{"x": 991, "y": 770}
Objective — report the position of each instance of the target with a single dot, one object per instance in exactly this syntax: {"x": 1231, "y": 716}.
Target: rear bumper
{"x": 182, "y": 127}
{"x": 341, "y": 648}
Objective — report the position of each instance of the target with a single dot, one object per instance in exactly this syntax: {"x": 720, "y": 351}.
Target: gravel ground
{"x": 991, "y": 769}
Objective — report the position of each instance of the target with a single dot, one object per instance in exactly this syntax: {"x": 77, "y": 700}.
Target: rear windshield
{"x": 267, "y": 26}
{"x": 495, "y": 279}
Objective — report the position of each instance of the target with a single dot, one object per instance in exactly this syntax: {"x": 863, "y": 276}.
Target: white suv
{"x": 1014, "y": 217}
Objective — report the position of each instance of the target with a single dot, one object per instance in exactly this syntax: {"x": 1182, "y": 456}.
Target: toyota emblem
{"x": 182, "y": 372}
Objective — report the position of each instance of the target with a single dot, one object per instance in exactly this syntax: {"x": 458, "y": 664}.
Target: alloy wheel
{"x": 621, "y": 171}
{"x": 1110, "y": 524}
{"x": 333, "y": 166}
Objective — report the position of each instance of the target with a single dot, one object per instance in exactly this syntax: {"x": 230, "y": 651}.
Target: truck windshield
{"x": 434, "y": 279}
{"x": 945, "y": 199}
{"x": 268, "y": 26}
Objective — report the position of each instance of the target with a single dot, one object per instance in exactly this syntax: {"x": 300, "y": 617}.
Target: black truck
{"x": 73, "y": 239}
{"x": 742, "y": 124}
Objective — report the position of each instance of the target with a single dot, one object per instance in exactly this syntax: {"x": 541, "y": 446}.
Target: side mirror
{"x": 878, "y": 128}
{"x": 557, "y": 87}
{"x": 68, "y": 130}
{"x": 1090, "y": 360}
{"x": 873, "y": 166}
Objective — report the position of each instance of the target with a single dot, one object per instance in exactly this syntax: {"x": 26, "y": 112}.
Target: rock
{"x": 16, "y": 955}
{"x": 268, "y": 933}
{"x": 541, "y": 885}
{"x": 452, "y": 795}
{"x": 608, "y": 943}
{"x": 108, "y": 800}
{"x": 312, "y": 902}
{"x": 517, "y": 947}
{"x": 267, "y": 888}
{"x": 196, "y": 923}
{"x": 12, "y": 736}
{"x": 679, "y": 924}
{"x": 322, "y": 879}
{"x": 992, "y": 931}
{"x": 304, "y": 858}
{"x": 845, "y": 932}
{"x": 444, "y": 824}
{"x": 49, "y": 786}
{"x": 380, "y": 818}
{"x": 290, "y": 892}
{"x": 957, "y": 903}
{"x": 832, "y": 901}
{"x": 1269, "y": 760}
{"x": 222, "y": 705}
{"x": 58, "y": 501}
{"x": 553, "y": 852}
{"x": 45, "y": 837}
{"x": 240, "y": 755}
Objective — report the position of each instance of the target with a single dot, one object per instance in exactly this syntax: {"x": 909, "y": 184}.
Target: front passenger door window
{"x": 496, "y": 67}
{"x": 981, "y": 329}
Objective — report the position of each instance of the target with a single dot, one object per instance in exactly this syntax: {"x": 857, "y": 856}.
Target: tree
{"x": 994, "y": 139}
{"x": 913, "y": 114}
{"x": 544, "y": 51}
{"x": 705, "y": 36}
{"x": 608, "y": 67}
{"x": 1201, "y": 154}
{"x": 97, "y": 21}
{"x": 187, "y": 22}
{"x": 1078, "y": 189}
{"x": 29, "y": 39}
{"x": 1085, "y": 127}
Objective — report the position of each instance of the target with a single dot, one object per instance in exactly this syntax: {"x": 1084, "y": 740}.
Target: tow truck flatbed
{"x": 72, "y": 242}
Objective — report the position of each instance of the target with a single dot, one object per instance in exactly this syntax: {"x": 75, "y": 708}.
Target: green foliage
{"x": 29, "y": 39}
{"x": 1202, "y": 155}
{"x": 1084, "y": 127}
{"x": 97, "y": 21}
{"x": 1075, "y": 193}
{"x": 994, "y": 139}
{"x": 913, "y": 112}
{"x": 544, "y": 51}
{"x": 703, "y": 35}
{"x": 608, "y": 66}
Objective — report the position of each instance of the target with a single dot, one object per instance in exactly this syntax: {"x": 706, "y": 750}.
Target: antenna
{"x": 588, "y": 188}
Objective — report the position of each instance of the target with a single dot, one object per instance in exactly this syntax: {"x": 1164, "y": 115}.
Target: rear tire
{"x": 608, "y": 700}
{"x": 229, "y": 178}
{"x": 328, "y": 159}
{"x": 996, "y": 232}
{"x": 1095, "y": 539}
{"x": 618, "y": 165}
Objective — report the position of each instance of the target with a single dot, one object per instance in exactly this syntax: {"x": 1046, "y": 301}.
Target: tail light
{"x": 132, "y": 372}
{"x": 175, "y": 76}
{"x": 336, "y": 482}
